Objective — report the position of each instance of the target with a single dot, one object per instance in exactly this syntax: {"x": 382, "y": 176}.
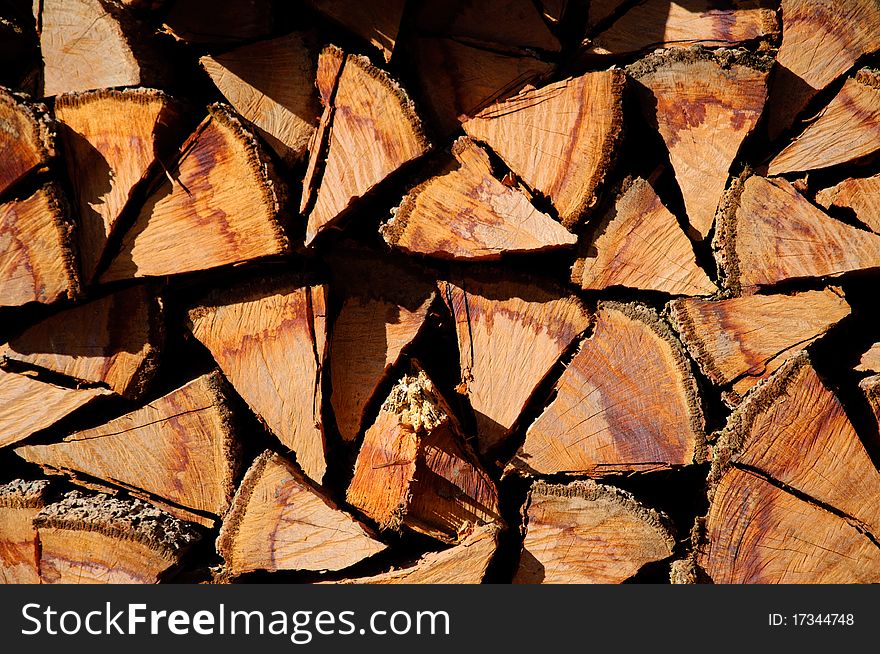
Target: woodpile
{"x": 526, "y": 291}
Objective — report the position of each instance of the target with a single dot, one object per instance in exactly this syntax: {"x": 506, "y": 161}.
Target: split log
{"x": 278, "y": 521}
{"x": 758, "y": 533}
{"x": 870, "y": 361}
{"x": 221, "y": 207}
{"x": 860, "y": 195}
{"x": 219, "y": 22}
{"x": 114, "y": 341}
{"x": 375, "y": 22}
{"x": 847, "y": 31}
{"x": 92, "y": 44}
{"x": 415, "y": 470}
{"x": 559, "y": 139}
{"x": 384, "y": 307}
{"x": 20, "y": 501}
{"x": 702, "y": 102}
{"x": 114, "y": 140}
{"x": 363, "y": 108}
{"x": 28, "y": 405}
{"x": 627, "y": 402}
{"x": 510, "y": 334}
{"x": 466, "y": 213}
{"x": 794, "y": 431}
{"x": 639, "y": 244}
{"x": 458, "y": 80}
{"x": 38, "y": 259}
{"x": 769, "y": 233}
{"x": 586, "y": 533}
{"x": 465, "y": 563}
{"x": 740, "y": 341}
{"x": 102, "y": 540}
{"x": 845, "y": 130}
{"x": 871, "y": 388}
{"x": 652, "y": 24}
{"x": 270, "y": 340}
{"x": 271, "y": 84}
{"x": 179, "y": 449}
{"x": 26, "y": 138}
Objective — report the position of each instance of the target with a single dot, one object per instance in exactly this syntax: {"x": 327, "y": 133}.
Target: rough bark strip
{"x": 20, "y": 501}
{"x": 27, "y": 138}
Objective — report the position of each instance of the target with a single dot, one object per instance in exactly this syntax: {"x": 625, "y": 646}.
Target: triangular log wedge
{"x": 510, "y": 334}
{"x": 278, "y": 521}
{"x": 848, "y": 128}
{"x": 384, "y": 307}
{"x": 221, "y": 208}
{"x": 639, "y": 244}
{"x": 113, "y": 341}
{"x": 113, "y": 140}
{"x": 587, "y": 533}
{"x": 740, "y": 341}
{"x": 870, "y": 361}
{"x": 28, "y": 405}
{"x": 871, "y": 388}
{"x": 846, "y": 30}
{"x": 91, "y": 44}
{"x": 757, "y": 533}
{"x": 179, "y": 448}
{"x": 98, "y": 539}
{"x": 415, "y": 470}
{"x": 38, "y": 257}
{"x": 704, "y": 105}
{"x": 795, "y": 431}
{"x": 20, "y": 501}
{"x": 507, "y": 25}
{"x": 467, "y": 213}
{"x": 366, "y": 109}
{"x": 26, "y": 138}
{"x": 376, "y": 22}
{"x": 861, "y": 195}
{"x": 271, "y": 83}
{"x": 655, "y": 24}
{"x": 769, "y": 233}
{"x": 627, "y": 402}
{"x": 559, "y": 139}
{"x": 270, "y": 340}
{"x": 458, "y": 79}
{"x": 220, "y": 22}
{"x": 465, "y": 563}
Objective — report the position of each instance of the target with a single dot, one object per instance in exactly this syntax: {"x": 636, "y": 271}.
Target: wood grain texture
{"x": 652, "y": 24}
{"x": 860, "y": 195}
{"x": 466, "y": 213}
{"x": 179, "y": 448}
{"x": 844, "y": 131}
{"x": 113, "y": 140}
{"x": 821, "y": 40}
{"x": 220, "y": 22}
{"x": 114, "y": 341}
{"x": 97, "y": 539}
{"x": 278, "y": 521}
{"x": 376, "y": 22}
{"x": 374, "y": 131}
{"x": 870, "y": 361}
{"x": 627, "y": 402}
{"x": 740, "y": 341}
{"x": 510, "y": 334}
{"x": 28, "y": 405}
{"x": 271, "y": 84}
{"x": 704, "y": 106}
{"x": 758, "y": 533}
{"x": 26, "y": 138}
{"x": 639, "y": 244}
{"x": 222, "y": 208}
{"x": 415, "y": 469}
{"x": 870, "y": 386}
{"x": 559, "y": 139}
{"x": 20, "y": 501}
{"x": 37, "y": 249}
{"x": 794, "y": 430}
{"x": 769, "y": 233}
{"x": 384, "y": 307}
{"x": 270, "y": 340}
{"x": 587, "y": 533}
